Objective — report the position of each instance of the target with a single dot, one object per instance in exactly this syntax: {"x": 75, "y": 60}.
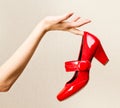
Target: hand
{"x": 62, "y": 23}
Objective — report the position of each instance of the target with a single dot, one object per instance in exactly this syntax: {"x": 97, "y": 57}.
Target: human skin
{"x": 12, "y": 68}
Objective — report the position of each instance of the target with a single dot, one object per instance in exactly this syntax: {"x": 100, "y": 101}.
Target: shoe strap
{"x": 77, "y": 65}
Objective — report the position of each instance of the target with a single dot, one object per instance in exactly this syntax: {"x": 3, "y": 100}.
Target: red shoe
{"x": 90, "y": 47}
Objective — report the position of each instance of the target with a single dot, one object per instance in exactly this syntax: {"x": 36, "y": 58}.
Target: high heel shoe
{"x": 90, "y": 47}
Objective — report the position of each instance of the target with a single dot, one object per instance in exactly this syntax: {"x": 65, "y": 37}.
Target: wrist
{"x": 44, "y": 26}
{"x": 39, "y": 31}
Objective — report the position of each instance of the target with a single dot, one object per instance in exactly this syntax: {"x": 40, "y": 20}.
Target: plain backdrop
{"x": 45, "y": 75}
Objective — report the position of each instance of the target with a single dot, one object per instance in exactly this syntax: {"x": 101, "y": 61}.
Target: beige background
{"x": 45, "y": 75}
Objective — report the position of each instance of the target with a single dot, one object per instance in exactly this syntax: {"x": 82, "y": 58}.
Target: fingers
{"x": 83, "y": 22}
{"x": 76, "y": 22}
{"x": 76, "y": 19}
{"x": 76, "y": 31}
{"x": 64, "y": 17}
{"x": 80, "y": 23}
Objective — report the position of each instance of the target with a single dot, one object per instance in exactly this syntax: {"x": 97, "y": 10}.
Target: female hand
{"x": 61, "y": 23}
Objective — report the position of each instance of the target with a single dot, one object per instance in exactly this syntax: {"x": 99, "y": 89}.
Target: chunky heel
{"x": 100, "y": 55}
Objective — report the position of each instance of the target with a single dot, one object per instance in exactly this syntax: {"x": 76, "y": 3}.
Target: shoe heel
{"x": 100, "y": 55}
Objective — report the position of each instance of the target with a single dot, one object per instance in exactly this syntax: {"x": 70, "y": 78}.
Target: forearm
{"x": 15, "y": 65}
